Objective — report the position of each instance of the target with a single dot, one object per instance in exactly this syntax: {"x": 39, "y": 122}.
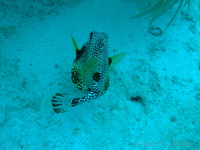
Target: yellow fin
{"x": 74, "y": 42}
{"x": 115, "y": 60}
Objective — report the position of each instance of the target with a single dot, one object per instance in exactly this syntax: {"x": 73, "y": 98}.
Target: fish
{"x": 90, "y": 71}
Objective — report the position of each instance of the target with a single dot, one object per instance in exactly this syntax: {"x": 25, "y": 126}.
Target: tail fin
{"x": 60, "y": 103}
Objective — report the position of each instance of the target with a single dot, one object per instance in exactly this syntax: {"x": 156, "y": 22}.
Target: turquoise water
{"x": 36, "y": 57}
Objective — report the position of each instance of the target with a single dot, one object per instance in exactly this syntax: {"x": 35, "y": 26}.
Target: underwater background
{"x": 153, "y": 101}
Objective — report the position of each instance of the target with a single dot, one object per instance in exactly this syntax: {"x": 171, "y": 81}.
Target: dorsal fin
{"x": 74, "y": 43}
{"x": 78, "y": 51}
{"x": 114, "y": 60}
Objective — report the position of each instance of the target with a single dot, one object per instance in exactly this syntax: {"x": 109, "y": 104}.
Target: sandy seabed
{"x": 36, "y": 56}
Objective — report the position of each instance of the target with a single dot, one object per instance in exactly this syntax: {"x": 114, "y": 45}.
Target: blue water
{"x": 36, "y": 57}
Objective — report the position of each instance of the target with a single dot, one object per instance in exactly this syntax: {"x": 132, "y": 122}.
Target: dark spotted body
{"x": 90, "y": 71}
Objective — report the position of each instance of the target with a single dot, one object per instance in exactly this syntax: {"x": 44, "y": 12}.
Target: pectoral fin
{"x": 114, "y": 60}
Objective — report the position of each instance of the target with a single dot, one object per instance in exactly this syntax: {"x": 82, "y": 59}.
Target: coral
{"x": 156, "y": 8}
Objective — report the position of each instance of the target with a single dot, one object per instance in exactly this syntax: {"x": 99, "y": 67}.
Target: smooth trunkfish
{"x": 90, "y": 71}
